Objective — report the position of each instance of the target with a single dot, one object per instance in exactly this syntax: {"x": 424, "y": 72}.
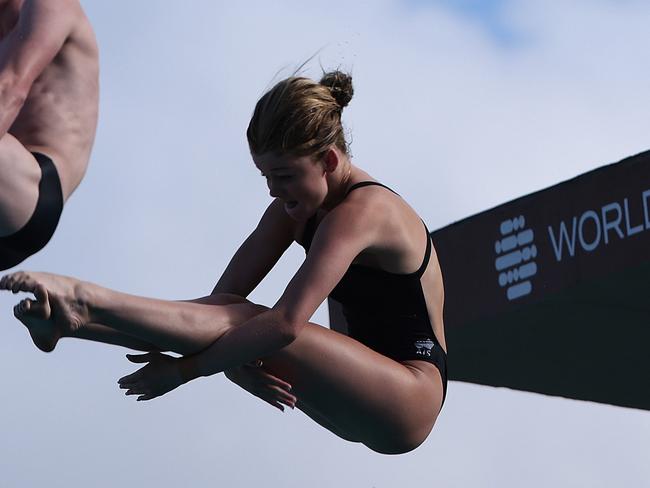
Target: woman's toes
{"x": 40, "y": 292}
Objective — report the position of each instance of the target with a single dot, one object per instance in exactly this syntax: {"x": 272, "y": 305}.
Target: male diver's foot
{"x": 36, "y": 316}
{"x": 60, "y": 301}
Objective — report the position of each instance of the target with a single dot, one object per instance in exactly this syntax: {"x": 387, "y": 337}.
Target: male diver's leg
{"x": 19, "y": 177}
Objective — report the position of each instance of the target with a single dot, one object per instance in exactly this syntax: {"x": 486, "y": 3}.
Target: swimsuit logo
{"x": 423, "y": 348}
{"x": 515, "y": 253}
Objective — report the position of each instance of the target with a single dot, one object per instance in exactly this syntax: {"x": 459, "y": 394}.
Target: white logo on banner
{"x": 515, "y": 253}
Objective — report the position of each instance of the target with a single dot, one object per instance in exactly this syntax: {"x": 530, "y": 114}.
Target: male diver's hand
{"x": 160, "y": 375}
{"x": 254, "y": 379}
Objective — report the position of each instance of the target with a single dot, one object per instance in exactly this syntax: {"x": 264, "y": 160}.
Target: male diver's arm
{"x": 42, "y": 28}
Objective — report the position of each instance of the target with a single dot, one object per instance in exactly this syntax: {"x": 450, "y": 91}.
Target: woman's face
{"x": 300, "y": 182}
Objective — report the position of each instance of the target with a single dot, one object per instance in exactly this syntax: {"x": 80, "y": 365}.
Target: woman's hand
{"x": 252, "y": 378}
{"x": 156, "y": 378}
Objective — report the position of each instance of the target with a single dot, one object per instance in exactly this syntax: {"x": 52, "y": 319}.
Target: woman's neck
{"x": 339, "y": 184}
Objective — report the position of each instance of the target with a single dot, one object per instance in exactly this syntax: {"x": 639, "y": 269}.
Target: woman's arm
{"x": 250, "y": 264}
{"x": 254, "y": 259}
{"x": 259, "y": 252}
{"x": 326, "y": 263}
{"x": 269, "y": 330}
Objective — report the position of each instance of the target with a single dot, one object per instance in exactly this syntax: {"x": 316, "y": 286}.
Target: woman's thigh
{"x": 368, "y": 397}
{"x": 362, "y": 394}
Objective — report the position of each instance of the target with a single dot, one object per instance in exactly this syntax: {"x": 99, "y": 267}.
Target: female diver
{"x": 48, "y": 114}
{"x": 383, "y": 384}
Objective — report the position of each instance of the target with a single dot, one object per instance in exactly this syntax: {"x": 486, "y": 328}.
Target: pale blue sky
{"x": 489, "y": 15}
{"x": 445, "y": 112}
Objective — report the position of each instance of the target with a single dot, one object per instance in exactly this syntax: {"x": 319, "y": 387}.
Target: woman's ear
{"x": 330, "y": 160}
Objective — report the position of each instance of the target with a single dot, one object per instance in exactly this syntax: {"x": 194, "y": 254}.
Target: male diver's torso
{"x": 59, "y": 116}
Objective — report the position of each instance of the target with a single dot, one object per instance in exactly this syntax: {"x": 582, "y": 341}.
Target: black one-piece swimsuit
{"x": 387, "y": 311}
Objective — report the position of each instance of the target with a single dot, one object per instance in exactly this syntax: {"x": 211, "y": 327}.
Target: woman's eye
{"x": 280, "y": 177}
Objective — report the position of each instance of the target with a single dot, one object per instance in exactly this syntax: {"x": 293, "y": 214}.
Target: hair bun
{"x": 340, "y": 84}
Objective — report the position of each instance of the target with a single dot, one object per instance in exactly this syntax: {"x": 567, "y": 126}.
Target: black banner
{"x": 550, "y": 292}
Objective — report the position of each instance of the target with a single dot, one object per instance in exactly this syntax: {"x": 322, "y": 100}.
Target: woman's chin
{"x": 298, "y": 211}
{"x": 293, "y": 211}
{"x": 290, "y": 206}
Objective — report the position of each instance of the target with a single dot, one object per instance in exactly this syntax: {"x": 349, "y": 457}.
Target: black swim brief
{"x": 38, "y": 231}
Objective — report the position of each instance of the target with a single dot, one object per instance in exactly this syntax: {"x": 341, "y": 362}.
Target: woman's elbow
{"x": 291, "y": 330}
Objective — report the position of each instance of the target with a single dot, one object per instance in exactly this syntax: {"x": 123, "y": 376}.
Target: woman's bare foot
{"x": 60, "y": 307}
{"x": 35, "y": 315}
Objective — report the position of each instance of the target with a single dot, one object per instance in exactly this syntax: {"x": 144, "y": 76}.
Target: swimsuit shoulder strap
{"x": 310, "y": 226}
{"x": 368, "y": 183}
{"x": 427, "y": 253}
{"x": 309, "y": 231}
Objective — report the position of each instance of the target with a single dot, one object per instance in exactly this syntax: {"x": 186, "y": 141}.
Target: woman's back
{"x": 393, "y": 286}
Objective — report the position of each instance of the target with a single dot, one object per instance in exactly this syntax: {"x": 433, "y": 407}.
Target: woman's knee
{"x": 402, "y": 444}
{"x": 400, "y": 437}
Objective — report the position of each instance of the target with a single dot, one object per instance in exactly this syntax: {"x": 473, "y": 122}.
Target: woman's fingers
{"x": 274, "y": 403}
{"x": 137, "y": 389}
{"x": 131, "y": 378}
{"x": 276, "y": 389}
{"x": 140, "y": 358}
{"x": 280, "y": 395}
{"x": 279, "y": 383}
{"x": 274, "y": 380}
{"x": 265, "y": 386}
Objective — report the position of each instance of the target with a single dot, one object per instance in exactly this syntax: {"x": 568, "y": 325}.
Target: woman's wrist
{"x": 188, "y": 368}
